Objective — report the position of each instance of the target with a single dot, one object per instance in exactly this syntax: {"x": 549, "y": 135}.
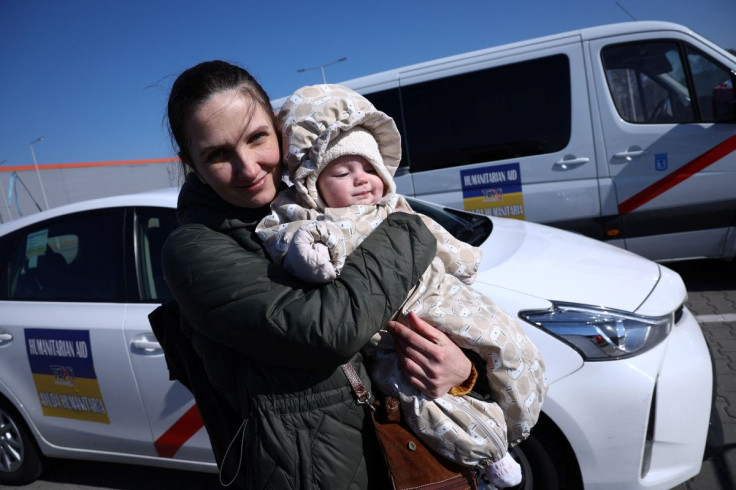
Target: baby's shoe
{"x": 504, "y": 473}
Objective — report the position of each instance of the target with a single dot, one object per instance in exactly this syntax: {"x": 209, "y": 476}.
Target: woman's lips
{"x": 254, "y": 185}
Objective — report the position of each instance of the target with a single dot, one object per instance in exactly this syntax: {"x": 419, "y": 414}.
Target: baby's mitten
{"x": 308, "y": 259}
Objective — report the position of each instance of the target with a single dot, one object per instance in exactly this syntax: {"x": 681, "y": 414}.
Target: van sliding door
{"x": 506, "y": 135}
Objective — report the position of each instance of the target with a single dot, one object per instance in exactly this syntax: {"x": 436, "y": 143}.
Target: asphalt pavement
{"x": 711, "y": 297}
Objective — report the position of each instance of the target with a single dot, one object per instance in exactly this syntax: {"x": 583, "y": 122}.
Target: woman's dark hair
{"x": 196, "y": 85}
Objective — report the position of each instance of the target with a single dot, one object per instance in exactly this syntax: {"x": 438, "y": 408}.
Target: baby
{"x": 342, "y": 153}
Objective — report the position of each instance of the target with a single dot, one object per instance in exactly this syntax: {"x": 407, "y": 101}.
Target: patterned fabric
{"x": 464, "y": 429}
{"x": 313, "y": 117}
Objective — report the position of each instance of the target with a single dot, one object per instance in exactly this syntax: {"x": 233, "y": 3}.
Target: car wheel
{"x": 20, "y": 460}
{"x": 537, "y": 468}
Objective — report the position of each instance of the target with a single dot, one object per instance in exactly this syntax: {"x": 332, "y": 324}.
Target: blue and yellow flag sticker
{"x": 494, "y": 191}
{"x": 64, "y": 374}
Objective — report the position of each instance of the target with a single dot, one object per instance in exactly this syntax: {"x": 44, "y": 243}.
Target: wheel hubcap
{"x": 11, "y": 446}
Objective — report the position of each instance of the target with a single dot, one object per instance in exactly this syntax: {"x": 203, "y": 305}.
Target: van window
{"x": 713, "y": 87}
{"x": 389, "y": 101}
{"x": 647, "y": 82}
{"x": 501, "y": 112}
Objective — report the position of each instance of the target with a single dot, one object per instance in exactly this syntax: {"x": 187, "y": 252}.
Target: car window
{"x": 78, "y": 257}
{"x": 153, "y": 225}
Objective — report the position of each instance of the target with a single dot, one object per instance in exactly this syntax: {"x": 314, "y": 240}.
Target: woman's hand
{"x": 430, "y": 360}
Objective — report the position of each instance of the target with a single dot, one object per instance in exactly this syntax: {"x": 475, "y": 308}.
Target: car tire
{"x": 21, "y": 462}
{"x": 537, "y": 468}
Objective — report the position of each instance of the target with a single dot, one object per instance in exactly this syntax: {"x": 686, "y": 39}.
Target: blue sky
{"x": 92, "y": 76}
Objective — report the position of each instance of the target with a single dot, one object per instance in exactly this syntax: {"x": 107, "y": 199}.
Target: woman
{"x": 271, "y": 347}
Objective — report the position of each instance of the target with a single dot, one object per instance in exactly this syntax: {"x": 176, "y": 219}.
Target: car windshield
{"x": 467, "y": 227}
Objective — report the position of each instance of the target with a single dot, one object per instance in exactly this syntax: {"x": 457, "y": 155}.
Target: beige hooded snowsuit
{"x": 462, "y": 428}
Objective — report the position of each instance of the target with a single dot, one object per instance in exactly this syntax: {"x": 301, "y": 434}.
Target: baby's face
{"x": 349, "y": 180}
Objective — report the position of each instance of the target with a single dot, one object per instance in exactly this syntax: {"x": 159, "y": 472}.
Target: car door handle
{"x": 146, "y": 344}
{"x": 629, "y": 154}
{"x": 569, "y": 163}
{"x": 5, "y": 337}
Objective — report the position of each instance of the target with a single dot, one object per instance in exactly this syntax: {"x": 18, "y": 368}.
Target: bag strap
{"x": 362, "y": 395}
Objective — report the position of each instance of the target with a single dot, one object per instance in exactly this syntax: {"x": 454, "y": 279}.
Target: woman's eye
{"x": 257, "y": 136}
{"x": 216, "y": 155}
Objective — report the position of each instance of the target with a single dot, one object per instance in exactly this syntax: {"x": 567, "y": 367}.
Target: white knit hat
{"x": 355, "y": 141}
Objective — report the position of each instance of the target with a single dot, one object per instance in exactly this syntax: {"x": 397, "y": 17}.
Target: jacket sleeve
{"x": 243, "y": 301}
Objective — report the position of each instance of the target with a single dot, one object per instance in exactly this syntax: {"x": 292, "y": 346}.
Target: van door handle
{"x": 570, "y": 163}
{"x": 5, "y": 337}
{"x": 629, "y": 154}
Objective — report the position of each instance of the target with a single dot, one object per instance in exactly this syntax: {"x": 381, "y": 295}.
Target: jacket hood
{"x": 314, "y": 116}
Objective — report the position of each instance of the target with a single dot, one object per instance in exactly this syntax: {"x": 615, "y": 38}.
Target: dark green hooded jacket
{"x": 271, "y": 346}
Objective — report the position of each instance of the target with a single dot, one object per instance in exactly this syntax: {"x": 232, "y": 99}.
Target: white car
{"x": 83, "y": 377}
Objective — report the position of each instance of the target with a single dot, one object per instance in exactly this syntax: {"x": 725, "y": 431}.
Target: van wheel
{"x": 21, "y": 462}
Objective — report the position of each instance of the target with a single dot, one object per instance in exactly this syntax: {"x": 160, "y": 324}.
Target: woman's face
{"x": 234, "y": 149}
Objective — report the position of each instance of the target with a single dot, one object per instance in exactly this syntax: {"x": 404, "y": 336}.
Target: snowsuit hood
{"x": 315, "y": 116}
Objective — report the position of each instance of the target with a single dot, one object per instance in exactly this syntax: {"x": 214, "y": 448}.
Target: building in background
{"x": 22, "y": 194}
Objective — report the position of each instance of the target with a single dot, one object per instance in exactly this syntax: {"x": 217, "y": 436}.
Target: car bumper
{"x": 715, "y": 441}
{"x": 640, "y": 422}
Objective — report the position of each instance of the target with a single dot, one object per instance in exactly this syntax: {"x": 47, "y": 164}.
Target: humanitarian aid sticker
{"x": 64, "y": 374}
{"x": 494, "y": 191}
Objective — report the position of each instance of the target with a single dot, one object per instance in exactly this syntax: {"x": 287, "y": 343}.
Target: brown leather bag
{"x": 411, "y": 464}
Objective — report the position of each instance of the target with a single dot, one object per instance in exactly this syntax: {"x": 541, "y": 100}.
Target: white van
{"x": 625, "y": 133}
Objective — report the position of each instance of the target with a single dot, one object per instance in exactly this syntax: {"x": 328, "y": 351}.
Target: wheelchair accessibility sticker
{"x": 493, "y": 191}
{"x": 64, "y": 374}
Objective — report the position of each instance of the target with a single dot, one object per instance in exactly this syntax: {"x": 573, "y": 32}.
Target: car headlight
{"x": 601, "y": 334}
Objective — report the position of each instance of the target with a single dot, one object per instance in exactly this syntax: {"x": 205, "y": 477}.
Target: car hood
{"x": 562, "y": 266}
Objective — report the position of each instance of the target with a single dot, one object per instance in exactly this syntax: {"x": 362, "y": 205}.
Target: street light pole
{"x": 38, "y": 173}
{"x": 5, "y": 198}
{"x": 322, "y": 68}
